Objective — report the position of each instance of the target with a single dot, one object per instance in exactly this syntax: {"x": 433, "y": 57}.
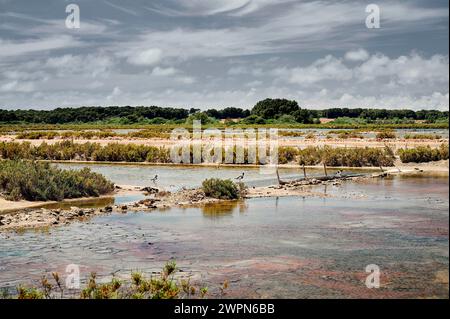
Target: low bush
{"x": 36, "y": 135}
{"x": 350, "y": 134}
{"x": 162, "y": 286}
{"x": 220, "y": 189}
{"x": 423, "y": 154}
{"x": 50, "y": 135}
{"x": 351, "y": 157}
{"x": 287, "y": 154}
{"x": 291, "y": 133}
{"x": 386, "y": 135}
{"x": 68, "y": 150}
{"x": 42, "y": 182}
{"x": 423, "y": 137}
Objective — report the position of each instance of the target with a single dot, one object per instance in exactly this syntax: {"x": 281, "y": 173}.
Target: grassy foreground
{"x": 163, "y": 286}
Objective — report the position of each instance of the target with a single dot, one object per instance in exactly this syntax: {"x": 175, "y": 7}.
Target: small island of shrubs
{"x": 34, "y": 181}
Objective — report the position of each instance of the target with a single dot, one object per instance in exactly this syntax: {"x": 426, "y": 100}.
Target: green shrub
{"x": 351, "y": 157}
{"x": 287, "y": 154}
{"x": 350, "y": 134}
{"x": 386, "y": 135}
{"x": 220, "y": 189}
{"x": 423, "y": 137}
{"x": 424, "y": 154}
{"x": 291, "y": 133}
{"x": 42, "y": 182}
{"x": 36, "y": 135}
{"x": 162, "y": 286}
{"x": 310, "y": 136}
{"x": 68, "y": 150}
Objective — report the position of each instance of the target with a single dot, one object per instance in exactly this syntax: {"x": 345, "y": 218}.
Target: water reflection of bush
{"x": 223, "y": 209}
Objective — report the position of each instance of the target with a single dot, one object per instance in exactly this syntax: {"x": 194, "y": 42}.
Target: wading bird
{"x": 241, "y": 177}
{"x": 154, "y": 179}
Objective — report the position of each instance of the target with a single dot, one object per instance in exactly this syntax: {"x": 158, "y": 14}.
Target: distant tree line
{"x": 266, "y": 111}
{"x": 93, "y": 114}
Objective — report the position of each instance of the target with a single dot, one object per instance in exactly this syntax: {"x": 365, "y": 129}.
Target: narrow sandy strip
{"x": 282, "y": 141}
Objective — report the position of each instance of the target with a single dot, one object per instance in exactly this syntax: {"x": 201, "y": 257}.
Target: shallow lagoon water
{"x": 273, "y": 247}
{"x": 176, "y": 177}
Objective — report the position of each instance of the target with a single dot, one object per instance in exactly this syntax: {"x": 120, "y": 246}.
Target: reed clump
{"x": 386, "y": 135}
{"x": 351, "y": 157}
{"x": 422, "y": 137}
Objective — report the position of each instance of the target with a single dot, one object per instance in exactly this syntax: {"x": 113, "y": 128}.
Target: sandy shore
{"x": 7, "y": 206}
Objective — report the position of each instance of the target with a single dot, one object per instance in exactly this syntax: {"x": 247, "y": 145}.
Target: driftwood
{"x": 280, "y": 182}
{"x": 322, "y": 178}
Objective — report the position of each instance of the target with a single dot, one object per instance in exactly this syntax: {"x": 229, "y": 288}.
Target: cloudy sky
{"x": 217, "y": 53}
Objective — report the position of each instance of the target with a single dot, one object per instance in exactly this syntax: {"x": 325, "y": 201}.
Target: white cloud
{"x": 16, "y": 86}
{"x": 90, "y": 64}
{"x": 238, "y": 70}
{"x": 115, "y": 94}
{"x": 16, "y": 48}
{"x": 253, "y": 84}
{"x": 199, "y": 7}
{"x": 300, "y": 26}
{"x": 186, "y": 79}
{"x": 328, "y": 68}
{"x": 357, "y": 55}
{"x": 405, "y": 70}
{"x": 146, "y": 57}
{"x": 121, "y": 8}
{"x": 158, "y": 71}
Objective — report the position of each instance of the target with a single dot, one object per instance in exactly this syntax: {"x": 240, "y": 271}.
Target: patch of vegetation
{"x": 350, "y": 134}
{"x": 37, "y": 135}
{"x": 50, "y": 135}
{"x": 291, "y": 133}
{"x": 162, "y": 286}
{"x": 151, "y": 133}
{"x": 351, "y": 157}
{"x": 68, "y": 150}
{"x": 42, "y": 182}
{"x": 349, "y": 121}
{"x": 386, "y": 135}
{"x": 220, "y": 189}
{"x": 287, "y": 154}
{"x": 423, "y": 137}
{"x": 200, "y": 116}
{"x": 424, "y": 154}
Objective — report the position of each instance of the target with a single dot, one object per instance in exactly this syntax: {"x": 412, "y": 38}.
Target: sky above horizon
{"x": 220, "y": 53}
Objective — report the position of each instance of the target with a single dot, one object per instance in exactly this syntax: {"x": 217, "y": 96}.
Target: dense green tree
{"x": 274, "y": 108}
{"x": 303, "y": 116}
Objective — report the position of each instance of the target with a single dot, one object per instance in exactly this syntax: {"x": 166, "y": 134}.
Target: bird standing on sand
{"x": 154, "y": 179}
{"x": 241, "y": 177}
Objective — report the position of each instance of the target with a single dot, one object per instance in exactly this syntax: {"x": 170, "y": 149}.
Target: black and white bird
{"x": 240, "y": 177}
{"x": 338, "y": 174}
{"x": 154, "y": 179}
